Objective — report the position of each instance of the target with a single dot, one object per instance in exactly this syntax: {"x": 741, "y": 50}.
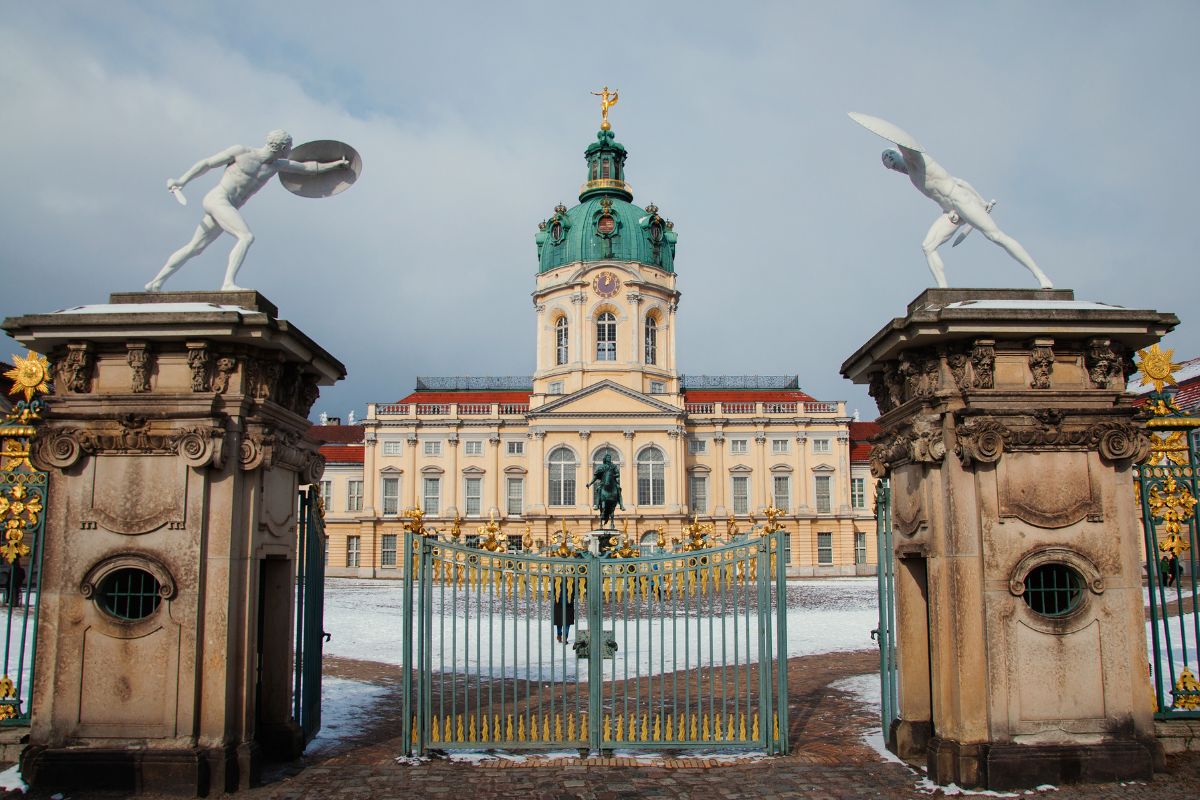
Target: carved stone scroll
{"x": 198, "y": 446}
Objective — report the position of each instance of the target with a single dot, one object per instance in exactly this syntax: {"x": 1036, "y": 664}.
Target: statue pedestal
{"x": 175, "y": 443}
{"x": 599, "y": 539}
{"x": 1008, "y": 439}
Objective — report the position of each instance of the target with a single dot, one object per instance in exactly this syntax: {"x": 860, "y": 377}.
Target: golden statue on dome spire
{"x": 605, "y": 104}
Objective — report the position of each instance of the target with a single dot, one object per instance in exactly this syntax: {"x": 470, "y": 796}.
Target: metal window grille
{"x": 824, "y": 504}
{"x": 391, "y": 495}
{"x": 354, "y": 496}
{"x": 741, "y": 494}
{"x": 606, "y": 337}
{"x": 130, "y": 593}
{"x": 782, "y": 492}
{"x": 387, "y": 551}
{"x": 352, "y": 543}
{"x": 1053, "y": 590}
{"x": 825, "y": 548}
{"x": 562, "y": 478}
{"x": 561, "y": 333}
{"x": 472, "y": 496}
{"x": 433, "y": 496}
{"x": 697, "y": 494}
{"x": 516, "y": 496}
{"x": 651, "y": 340}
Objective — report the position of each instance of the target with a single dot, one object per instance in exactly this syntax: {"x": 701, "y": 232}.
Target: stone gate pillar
{"x": 175, "y": 442}
{"x": 1008, "y": 440}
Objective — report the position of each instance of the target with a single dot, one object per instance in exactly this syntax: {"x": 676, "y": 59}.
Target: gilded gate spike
{"x": 754, "y": 729}
{"x": 644, "y": 585}
{"x": 1187, "y": 691}
{"x": 558, "y": 730}
{"x": 434, "y": 733}
{"x": 704, "y": 737}
{"x": 484, "y": 728}
{"x": 619, "y": 733}
{"x": 632, "y": 729}
{"x": 657, "y": 728}
{"x": 415, "y": 736}
{"x": 670, "y": 728}
{"x": 776, "y": 727}
{"x": 692, "y": 726}
{"x": 521, "y": 728}
{"x": 458, "y": 729}
{"x": 742, "y": 727}
{"x": 545, "y": 728}
{"x": 620, "y": 588}
{"x": 508, "y": 728}
{"x": 471, "y": 729}
{"x": 645, "y": 728}
{"x": 447, "y": 730}
{"x": 606, "y": 729}
{"x": 570, "y": 727}
{"x": 583, "y": 725}
{"x": 729, "y": 733}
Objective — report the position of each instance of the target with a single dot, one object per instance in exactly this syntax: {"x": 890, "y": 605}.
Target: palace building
{"x": 520, "y": 450}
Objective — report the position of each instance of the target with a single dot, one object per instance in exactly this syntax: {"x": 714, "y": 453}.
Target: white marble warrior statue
{"x": 957, "y": 198}
{"x": 247, "y": 170}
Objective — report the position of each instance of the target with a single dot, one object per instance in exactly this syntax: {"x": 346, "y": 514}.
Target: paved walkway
{"x": 829, "y": 760}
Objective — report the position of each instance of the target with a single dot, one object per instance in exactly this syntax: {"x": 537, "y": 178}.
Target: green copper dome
{"x": 605, "y": 224}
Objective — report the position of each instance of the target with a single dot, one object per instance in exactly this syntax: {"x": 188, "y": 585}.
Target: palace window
{"x": 387, "y": 551}
{"x": 391, "y": 496}
{"x": 352, "y": 551}
{"x": 433, "y": 496}
{"x": 651, "y": 340}
{"x": 392, "y": 448}
{"x": 473, "y": 496}
{"x": 515, "y": 448}
{"x": 783, "y": 492}
{"x": 1053, "y": 590}
{"x": 562, "y": 477}
{"x": 560, "y": 341}
{"x": 860, "y": 548}
{"x": 354, "y": 496}
{"x": 824, "y": 548}
{"x": 556, "y": 387}
{"x": 697, "y": 494}
{"x": 741, "y": 494}
{"x": 598, "y": 457}
{"x": 824, "y": 505}
{"x": 858, "y": 492}
{"x": 651, "y": 483}
{"x": 697, "y": 446}
{"x": 516, "y": 496}
{"x": 779, "y": 446}
{"x": 658, "y": 387}
{"x": 433, "y": 448}
{"x": 822, "y": 446}
{"x": 327, "y": 495}
{"x": 606, "y": 337}
{"x": 739, "y": 446}
{"x": 515, "y": 544}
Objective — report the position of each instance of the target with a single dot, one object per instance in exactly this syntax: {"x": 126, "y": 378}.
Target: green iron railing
{"x": 310, "y": 605}
{"x": 23, "y": 500}
{"x": 667, "y": 650}
{"x": 886, "y": 632}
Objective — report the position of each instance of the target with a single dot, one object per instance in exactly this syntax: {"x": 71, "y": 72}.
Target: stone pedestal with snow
{"x": 1008, "y": 438}
{"x": 175, "y": 441}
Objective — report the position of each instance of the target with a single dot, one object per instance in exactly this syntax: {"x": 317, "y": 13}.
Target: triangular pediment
{"x": 606, "y": 398}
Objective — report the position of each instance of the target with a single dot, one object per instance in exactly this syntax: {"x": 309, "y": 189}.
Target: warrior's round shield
{"x": 881, "y": 127}
{"x": 324, "y": 184}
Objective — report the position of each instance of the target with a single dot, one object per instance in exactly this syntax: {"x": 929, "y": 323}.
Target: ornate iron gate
{"x": 886, "y": 632}
{"x": 310, "y": 614}
{"x": 23, "y": 499}
{"x": 678, "y": 649}
{"x": 1168, "y": 483}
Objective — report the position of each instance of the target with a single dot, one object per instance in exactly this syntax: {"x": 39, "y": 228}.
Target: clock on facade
{"x": 606, "y": 284}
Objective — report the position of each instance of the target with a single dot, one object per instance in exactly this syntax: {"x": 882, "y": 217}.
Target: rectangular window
{"x": 516, "y": 496}
{"x": 514, "y": 543}
{"x": 516, "y": 448}
{"x": 741, "y": 494}
{"x": 824, "y": 506}
{"x": 392, "y": 448}
{"x": 739, "y": 446}
{"x": 473, "y": 496}
{"x": 783, "y": 498}
{"x": 433, "y": 448}
{"x": 860, "y": 548}
{"x": 697, "y": 446}
{"x": 779, "y": 446}
{"x": 697, "y": 494}
{"x": 354, "y": 496}
{"x": 473, "y": 447}
{"x": 658, "y": 387}
{"x": 858, "y": 492}
{"x": 556, "y": 387}
{"x": 352, "y": 551}
{"x": 822, "y": 446}
{"x": 824, "y": 548}
{"x": 651, "y": 483}
{"x": 387, "y": 552}
{"x": 391, "y": 496}
{"x": 326, "y": 489}
{"x": 433, "y": 496}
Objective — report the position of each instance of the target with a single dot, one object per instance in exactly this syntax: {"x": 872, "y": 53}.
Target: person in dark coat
{"x": 563, "y": 615}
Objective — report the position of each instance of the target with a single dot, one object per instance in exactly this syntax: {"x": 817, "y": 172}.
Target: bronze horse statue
{"x": 607, "y": 494}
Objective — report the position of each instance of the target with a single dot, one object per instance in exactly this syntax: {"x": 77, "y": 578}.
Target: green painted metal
{"x": 310, "y": 615}
{"x": 1173, "y": 470}
{"x": 889, "y": 709}
{"x": 700, "y": 658}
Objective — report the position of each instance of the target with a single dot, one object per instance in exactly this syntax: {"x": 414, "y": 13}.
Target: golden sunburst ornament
{"x": 30, "y": 376}
{"x": 1157, "y": 367}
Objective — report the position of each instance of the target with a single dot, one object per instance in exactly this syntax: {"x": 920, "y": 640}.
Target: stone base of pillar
{"x": 1014, "y": 766}
{"x": 910, "y": 740}
{"x": 192, "y": 772}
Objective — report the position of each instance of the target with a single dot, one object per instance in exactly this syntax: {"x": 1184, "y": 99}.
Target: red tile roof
{"x": 337, "y": 434}
{"x": 747, "y": 396}
{"x": 861, "y": 434}
{"x": 342, "y": 453}
{"x": 466, "y": 397}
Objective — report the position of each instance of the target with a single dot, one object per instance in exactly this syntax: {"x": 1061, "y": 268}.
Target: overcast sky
{"x": 795, "y": 245}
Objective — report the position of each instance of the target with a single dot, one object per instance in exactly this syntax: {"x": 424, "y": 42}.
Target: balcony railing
{"x": 738, "y": 408}
{"x": 514, "y": 408}
{"x": 779, "y": 408}
{"x": 392, "y": 408}
{"x": 699, "y": 408}
{"x": 820, "y": 408}
{"x": 440, "y": 409}
{"x": 746, "y": 407}
{"x": 474, "y": 408}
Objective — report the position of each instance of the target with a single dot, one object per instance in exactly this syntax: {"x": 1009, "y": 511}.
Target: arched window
{"x": 562, "y": 477}
{"x": 651, "y": 486}
{"x": 651, "y": 340}
{"x": 606, "y": 337}
{"x": 598, "y": 457}
{"x": 560, "y": 341}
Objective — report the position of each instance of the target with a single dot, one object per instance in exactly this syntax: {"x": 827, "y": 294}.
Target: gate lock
{"x": 582, "y": 646}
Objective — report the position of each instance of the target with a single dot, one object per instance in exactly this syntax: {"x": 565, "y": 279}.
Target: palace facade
{"x": 521, "y": 450}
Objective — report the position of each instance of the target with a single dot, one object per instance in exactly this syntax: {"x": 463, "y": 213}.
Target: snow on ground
{"x": 865, "y": 690}
{"x": 343, "y": 703}
{"x": 365, "y": 618}
{"x": 10, "y": 779}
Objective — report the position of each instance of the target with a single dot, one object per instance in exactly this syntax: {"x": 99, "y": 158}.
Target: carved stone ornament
{"x": 226, "y": 366}
{"x": 958, "y": 361}
{"x": 105, "y": 567}
{"x": 198, "y": 446}
{"x": 268, "y": 448}
{"x": 922, "y": 442}
{"x": 309, "y": 392}
{"x": 1104, "y": 365}
{"x": 138, "y": 358}
{"x": 263, "y": 379}
{"x": 984, "y": 439}
{"x": 1041, "y": 363}
{"x": 983, "y": 364}
{"x": 198, "y": 363}
{"x": 75, "y": 370}
{"x": 915, "y": 374}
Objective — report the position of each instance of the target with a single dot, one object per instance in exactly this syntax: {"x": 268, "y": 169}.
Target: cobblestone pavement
{"x": 828, "y": 760}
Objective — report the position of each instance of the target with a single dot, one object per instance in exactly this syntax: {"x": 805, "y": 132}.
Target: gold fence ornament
{"x": 1187, "y": 691}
